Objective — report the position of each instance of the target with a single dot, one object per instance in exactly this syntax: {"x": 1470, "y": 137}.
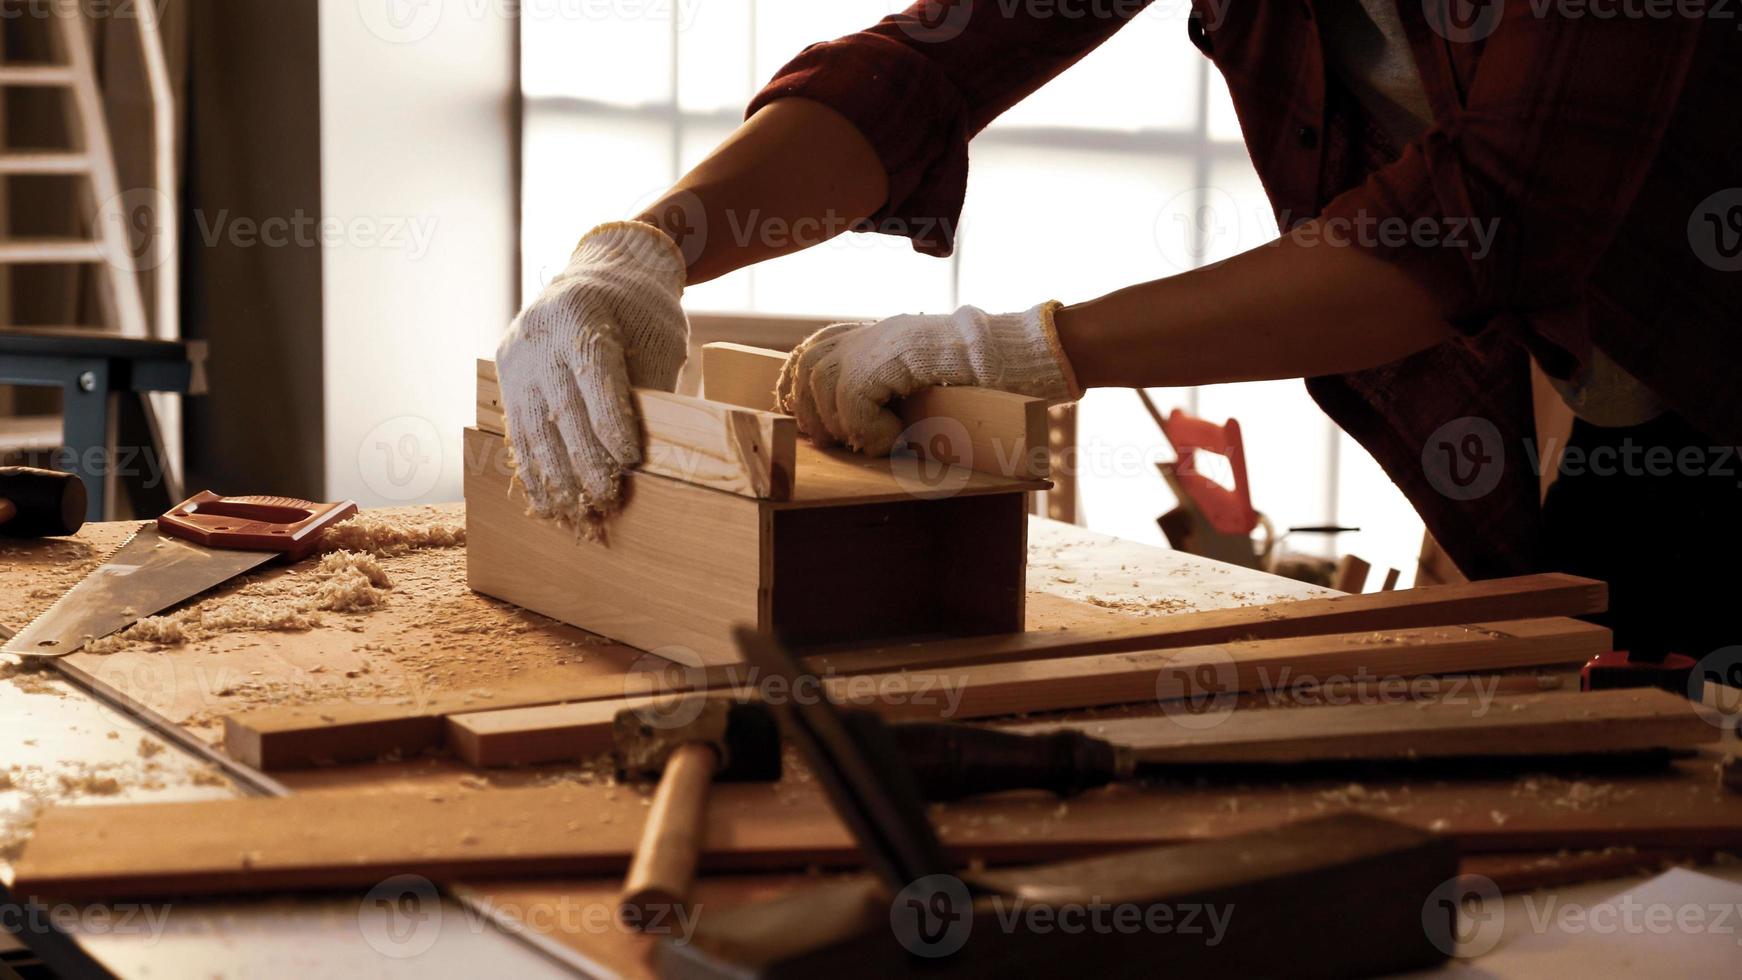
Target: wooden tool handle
{"x": 671, "y": 840}
{"x": 40, "y": 503}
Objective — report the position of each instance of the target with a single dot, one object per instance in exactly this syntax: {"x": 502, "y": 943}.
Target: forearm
{"x": 1298, "y": 308}
{"x": 794, "y": 175}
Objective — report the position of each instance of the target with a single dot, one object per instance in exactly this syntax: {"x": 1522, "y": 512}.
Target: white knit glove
{"x": 839, "y": 380}
{"x": 611, "y": 320}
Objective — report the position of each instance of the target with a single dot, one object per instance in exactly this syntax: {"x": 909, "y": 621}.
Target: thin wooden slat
{"x": 20, "y": 251}
{"x": 990, "y": 431}
{"x": 1523, "y": 597}
{"x": 44, "y": 163}
{"x": 1566, "y": 723}
{"x": 709, "y": 444}
{"x": 344, "y": 840}
{"x": 552, "y": 733}
{"x": 36, "y": 75}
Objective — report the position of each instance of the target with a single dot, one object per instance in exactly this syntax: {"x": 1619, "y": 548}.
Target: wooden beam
{"x": 990, "y": 431}
{"x": 346, "y": 840}
{"x": 552, "y": 733}
{"x": 1563, "y": 723}
{"x": 710, "y": 444}
{"x": 1524, "y": 597}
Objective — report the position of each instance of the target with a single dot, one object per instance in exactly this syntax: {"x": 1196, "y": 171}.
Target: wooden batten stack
{"x": 733, "y": 519}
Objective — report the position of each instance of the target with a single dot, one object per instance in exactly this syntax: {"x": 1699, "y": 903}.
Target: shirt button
{"x": 1308, "y": 136}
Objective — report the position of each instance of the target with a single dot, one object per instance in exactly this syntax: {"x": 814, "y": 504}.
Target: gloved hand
{"x": 611, "y": 320}
{"x": 839, "y": 381}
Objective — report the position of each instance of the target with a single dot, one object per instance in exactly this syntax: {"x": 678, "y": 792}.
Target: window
{"x": 1126, "y": 168}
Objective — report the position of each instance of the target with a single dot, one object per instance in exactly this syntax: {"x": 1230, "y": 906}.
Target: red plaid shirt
{"x": 1600, "y": 149}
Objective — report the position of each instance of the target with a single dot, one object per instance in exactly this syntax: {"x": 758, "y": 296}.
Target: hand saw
{"x": 203, "y": 542}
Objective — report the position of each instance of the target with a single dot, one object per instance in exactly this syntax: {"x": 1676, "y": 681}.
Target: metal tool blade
{"x": 150, "y": 573}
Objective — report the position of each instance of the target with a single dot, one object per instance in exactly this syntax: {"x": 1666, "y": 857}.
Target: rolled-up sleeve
{"x": 1507, "y": 205}
{"x": 920, "y": 84}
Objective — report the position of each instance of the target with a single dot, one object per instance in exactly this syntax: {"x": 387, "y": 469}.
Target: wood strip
{"x": 345, "y": 840}
{"x": 551, "y": 733}
{"x": 1523, "y": 597}
{"x": 981, "y": 429}
{"x": 710, "y": 444}
{"x": 1543, "y": 724}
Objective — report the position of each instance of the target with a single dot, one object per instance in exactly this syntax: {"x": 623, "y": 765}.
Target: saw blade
{"x": 147, "y": 575}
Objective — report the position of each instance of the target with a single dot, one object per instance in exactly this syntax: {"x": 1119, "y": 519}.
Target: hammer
{"x": 40, "y": 503}
{"x": 725, "y": 741}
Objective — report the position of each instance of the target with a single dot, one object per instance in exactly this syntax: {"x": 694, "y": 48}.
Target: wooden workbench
{"x": 434, "y": 637}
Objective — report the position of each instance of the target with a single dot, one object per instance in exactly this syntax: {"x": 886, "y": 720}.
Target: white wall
{"x": 418, "y": 209}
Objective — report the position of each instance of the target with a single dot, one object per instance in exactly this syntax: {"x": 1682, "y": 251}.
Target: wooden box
{"x": 734, "y": 519}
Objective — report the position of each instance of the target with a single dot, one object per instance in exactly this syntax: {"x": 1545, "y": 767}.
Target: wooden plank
{"x": 1542, "y": 724}
{"x": 676, "y": 561}
{"x": 990, "y": 431}
{"x": 551, "y": 733}
{"x": 706, "y": 443}
{"x": 344, "y": 840}
{"x": 1523, "y": 597}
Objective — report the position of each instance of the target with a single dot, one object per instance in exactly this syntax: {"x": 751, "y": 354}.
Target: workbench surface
{"x": 400, "y": 625}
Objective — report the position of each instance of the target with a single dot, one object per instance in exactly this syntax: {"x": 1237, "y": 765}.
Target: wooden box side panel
{"x": 956, "y": 566}
{"x": 678, "y": 568}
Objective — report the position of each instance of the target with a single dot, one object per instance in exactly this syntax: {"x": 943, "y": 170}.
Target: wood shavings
{"x": 388, "y": 535}
{"x": 342, "y": 581}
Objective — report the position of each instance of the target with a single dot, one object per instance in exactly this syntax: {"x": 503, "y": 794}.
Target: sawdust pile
{"x": 347, "y": 578}
{"x": 342, "y": 581}
{"x": 385, "y": 536}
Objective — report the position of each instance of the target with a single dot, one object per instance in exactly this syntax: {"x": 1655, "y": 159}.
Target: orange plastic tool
{"x": 286, "y": 525}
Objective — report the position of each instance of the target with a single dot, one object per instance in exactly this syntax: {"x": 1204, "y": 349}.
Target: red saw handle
{"x": 286, "y": 525}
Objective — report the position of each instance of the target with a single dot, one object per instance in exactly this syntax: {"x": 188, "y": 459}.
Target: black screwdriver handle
{"x": 951, "y": 762}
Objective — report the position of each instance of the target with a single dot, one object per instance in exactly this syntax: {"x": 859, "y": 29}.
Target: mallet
{"x": 40, "y": 503}
{"x": 723, "y": 740}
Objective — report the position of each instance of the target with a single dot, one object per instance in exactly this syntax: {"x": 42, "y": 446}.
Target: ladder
{"x": 109, "y": 213}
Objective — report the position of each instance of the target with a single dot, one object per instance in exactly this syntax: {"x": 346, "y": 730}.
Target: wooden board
{"x": 990, "y": 431}
{"x": 1523, "y": 597}
{"x": 1542, "y": 724}
{"x": 348, "y": 839}
{"x": 518, "y": 736}
{"x": 710, "y": 444}
{"x": 676, "y": 562}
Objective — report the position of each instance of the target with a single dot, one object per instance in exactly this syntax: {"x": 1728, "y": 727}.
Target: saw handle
{"x": 286, "y": 525}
